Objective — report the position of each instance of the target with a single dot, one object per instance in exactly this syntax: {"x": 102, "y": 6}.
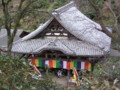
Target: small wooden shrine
{"x": 68, "y": 39}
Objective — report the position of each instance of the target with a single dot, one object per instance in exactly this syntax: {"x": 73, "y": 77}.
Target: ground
{"x": 62, "y": 81}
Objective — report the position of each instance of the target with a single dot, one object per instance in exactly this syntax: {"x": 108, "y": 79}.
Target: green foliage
{"x": 38, "y": 13}
{"x": 1, "y": 20}
{"x": 99, "y": 3}
{"x": 58, "y": 3}
{"x": 106, "y": 76}
{"x": 108, "y": 22}
{"x": 15, "y": 75}
{"x": 115, "y": 45}
{"x": 92, "y": 82}
{"x": 41, "y": 4}
{"x": 91, "y": 14}
{"x": 110, "y": 67}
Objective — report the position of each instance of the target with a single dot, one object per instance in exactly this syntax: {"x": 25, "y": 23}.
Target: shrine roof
{"x": 78, "y": 25}
{"x": 68, "y": 47}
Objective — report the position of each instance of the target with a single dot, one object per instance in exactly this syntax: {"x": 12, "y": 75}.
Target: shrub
{"x": 106, "y": 76}
{"x": 109, "y": 67}
{"x": 15, "y": 75}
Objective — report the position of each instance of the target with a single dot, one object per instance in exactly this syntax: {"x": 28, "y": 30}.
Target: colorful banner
{"x": 62, "y": 64}
{"x": 76, "y": 77}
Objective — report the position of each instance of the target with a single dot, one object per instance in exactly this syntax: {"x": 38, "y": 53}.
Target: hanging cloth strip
{"x": 62, "y": 64}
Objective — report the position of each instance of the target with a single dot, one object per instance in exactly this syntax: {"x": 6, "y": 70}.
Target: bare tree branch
{"x": 99, "y": 16}
{"x": 115, "y": 17}
{"x": 18, "y": 15}
{"x": 21, "y": 14}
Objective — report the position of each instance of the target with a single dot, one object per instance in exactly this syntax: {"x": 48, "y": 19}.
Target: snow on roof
{"x": 69, "y": 47}
{"x": 78, "y": 25}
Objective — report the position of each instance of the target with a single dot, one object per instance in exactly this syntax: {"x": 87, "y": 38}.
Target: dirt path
{"x": 62, "y": 81}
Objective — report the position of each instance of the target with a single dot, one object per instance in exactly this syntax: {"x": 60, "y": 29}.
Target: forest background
{"x": 106, "y": 74}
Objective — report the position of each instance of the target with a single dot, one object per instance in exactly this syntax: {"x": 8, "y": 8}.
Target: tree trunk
{"x": 9, "y": 45}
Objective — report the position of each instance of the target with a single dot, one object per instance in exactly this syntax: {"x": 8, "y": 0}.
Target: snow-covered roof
{"x": 77, "y": 24}
{"x": 94, "y": 41}
{"x": 69, "y": 47}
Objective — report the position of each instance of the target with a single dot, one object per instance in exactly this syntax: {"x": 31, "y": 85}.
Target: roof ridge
{"x": 46, "y": 44}
{"x": 54, "y": 43}
{"x": 66, "y": 46}
{"x": 38, "y": 30}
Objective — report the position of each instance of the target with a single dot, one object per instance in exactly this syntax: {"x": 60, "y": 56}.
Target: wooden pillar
{"x": 68, "y": 71}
